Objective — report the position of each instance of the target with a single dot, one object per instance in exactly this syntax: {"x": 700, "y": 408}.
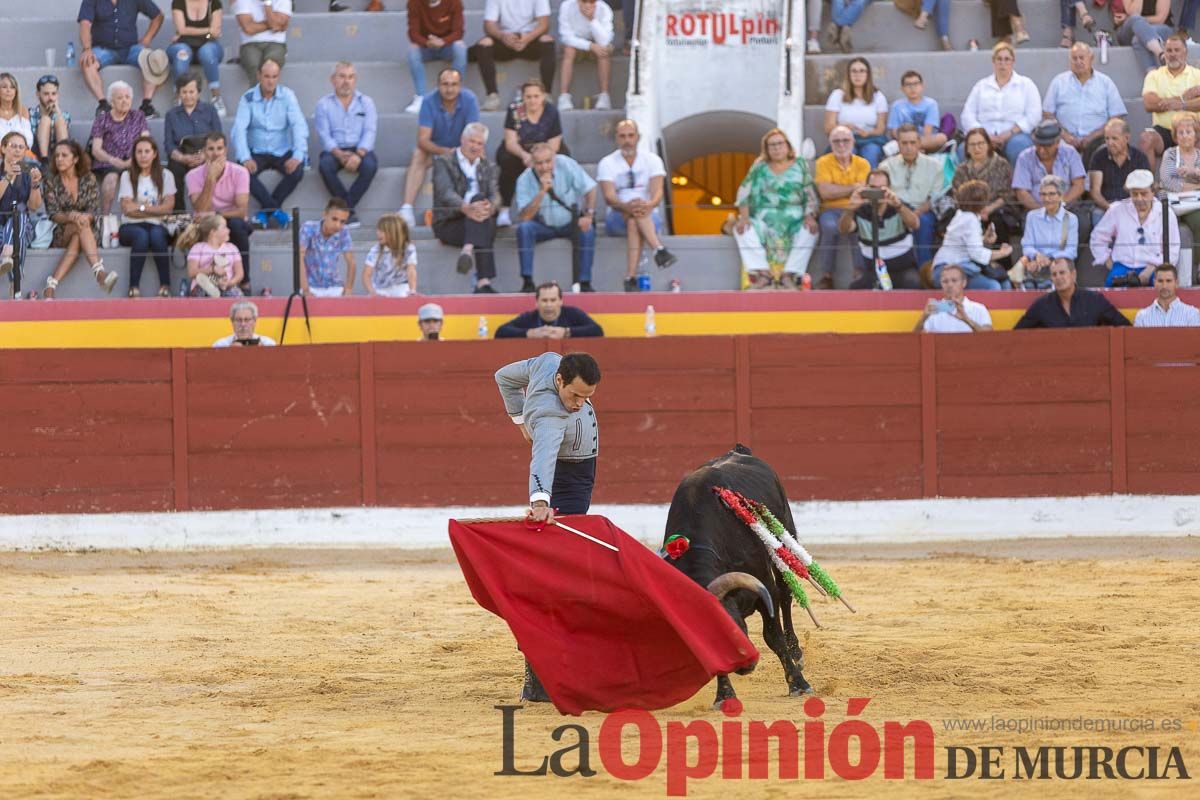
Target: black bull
{"x": 721, "y": 544}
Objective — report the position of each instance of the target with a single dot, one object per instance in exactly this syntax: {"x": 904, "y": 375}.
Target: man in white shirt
{"x": 1168, "y": 311}
{"x": 514, "y": 29}
{"x": 244, "y": 316}
{"x": 954, "y": 313}
{"x": 585, "y": 27}
{"x": 632, "y": 182}
{"x": 1005, "y": 104}
{"x": 264, "y": 25}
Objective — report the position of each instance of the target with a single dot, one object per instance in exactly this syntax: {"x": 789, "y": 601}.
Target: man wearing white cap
{"x": 429, "y": 320}
{"x": 1128, "y": 240}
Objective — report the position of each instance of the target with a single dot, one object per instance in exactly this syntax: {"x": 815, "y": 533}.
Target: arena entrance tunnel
{"x": 707, "y": 156}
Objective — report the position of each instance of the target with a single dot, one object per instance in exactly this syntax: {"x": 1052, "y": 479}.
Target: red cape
{"x": 603, "y": 630}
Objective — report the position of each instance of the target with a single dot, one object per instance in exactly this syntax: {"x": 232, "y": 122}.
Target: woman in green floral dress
{"x": 777, "y": 223}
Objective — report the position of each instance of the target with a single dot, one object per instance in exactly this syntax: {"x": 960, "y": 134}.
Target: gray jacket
{"x": 531, "y": 399}
{"x": 450, "y": 185}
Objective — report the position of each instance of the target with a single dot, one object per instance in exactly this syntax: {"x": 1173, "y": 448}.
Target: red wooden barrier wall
{"x": 839, "y": 416}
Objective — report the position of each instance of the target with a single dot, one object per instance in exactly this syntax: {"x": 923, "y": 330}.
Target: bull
{"x": 728, "y": 559}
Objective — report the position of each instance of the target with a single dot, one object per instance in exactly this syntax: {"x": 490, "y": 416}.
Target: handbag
{"x": 1183, "y": 202}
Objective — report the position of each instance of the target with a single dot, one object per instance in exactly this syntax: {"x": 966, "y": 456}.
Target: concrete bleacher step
{"x": 705, "y": 263}
{"x": 589, "y": 134}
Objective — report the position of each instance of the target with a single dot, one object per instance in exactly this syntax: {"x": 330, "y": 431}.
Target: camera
{"x": 946, "y": 306}
{"x": 872, "y": 194}
{"x": 249, "y": 342}
{"x": 432, "y": 336}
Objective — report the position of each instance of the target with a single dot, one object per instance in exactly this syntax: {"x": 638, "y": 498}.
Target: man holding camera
{"x": 955, "y": 312}
{"x": 1128, "y": 240}
{"x": 244, "y": 316}
{"x": 885, "y": 225}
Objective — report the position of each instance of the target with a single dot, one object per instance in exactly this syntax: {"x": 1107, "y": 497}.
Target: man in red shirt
{"x": 435, "y": 30}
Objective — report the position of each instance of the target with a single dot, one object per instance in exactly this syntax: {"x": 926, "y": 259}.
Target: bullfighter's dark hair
{"x": 579, "y": 365}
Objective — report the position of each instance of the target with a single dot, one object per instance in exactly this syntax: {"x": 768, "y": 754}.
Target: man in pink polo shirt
{"x": 223, "y": 187}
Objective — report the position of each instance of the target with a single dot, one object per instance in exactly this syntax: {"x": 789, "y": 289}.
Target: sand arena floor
{"x": 371, "y": 673}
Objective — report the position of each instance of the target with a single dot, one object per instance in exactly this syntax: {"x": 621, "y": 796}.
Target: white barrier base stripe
{"x": 865, "y": 522}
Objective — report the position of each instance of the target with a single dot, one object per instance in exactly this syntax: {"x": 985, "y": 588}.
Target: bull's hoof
{"x": 801, "y": 692}
{"x": 730, "y": 703}
{"x": 533, "y": 691}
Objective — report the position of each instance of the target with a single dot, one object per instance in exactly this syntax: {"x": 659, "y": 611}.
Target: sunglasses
{"x": 42, "y": 81}
{"x": 1141, "y": 236}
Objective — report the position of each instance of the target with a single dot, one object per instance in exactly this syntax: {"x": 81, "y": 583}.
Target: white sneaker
{"x": 415, "y": 106}
{"x": 814, "y": 46}
{"x": 566, "y": 102}
{"x": 219, "y": 105}
{"x": 406, "y": 214}
{"x": 491, "y": 102}
{"x": 503, "y": 220}
{"x": 603, "y": 102}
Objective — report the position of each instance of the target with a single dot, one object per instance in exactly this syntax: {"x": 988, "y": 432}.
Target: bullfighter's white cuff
{"x": 536, "y": 496}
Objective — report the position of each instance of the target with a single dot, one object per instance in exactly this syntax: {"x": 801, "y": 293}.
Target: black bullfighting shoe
{"x": 532, "y": 691}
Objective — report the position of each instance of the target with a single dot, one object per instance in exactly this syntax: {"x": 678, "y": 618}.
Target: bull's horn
{"x": 726, "y": 582}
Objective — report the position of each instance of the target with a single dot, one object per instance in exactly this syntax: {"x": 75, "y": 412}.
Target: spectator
{"x": 49, "y": 122}
{"x": 444, "y": 114}
{"x": 147, "y": 194}
{"x": 322, "y": 242}
{"x": 862, "y": 108}
{"x": 264, "y": 33}
{"x": 514, "y": 29}
{"x": 916, "y": 178}
{"x": 984, "y": 164}
{"x": 918, "y": 110}
{"x": 243, "y": 315}
{"x": 1110, "y": 166}
{"x": 632, "y": 182}
{"x": 550, "y": 320}
{"x": 1144, "y": 24}
{"x": 435, "y": 33}
{"x": 214, "y": 264}
{"x": 941, "y": 20}
{"x": 1069, "y": 305}
{"x": 777, "y": 215}
{"x": 842, "y": 15}
{"x": 466, "y": 187}
{"x": 391, "y": 266}
{"x": 108, "y": 34}
{"x": 1048, "y": 156}
{"x": 347, "y": 124}
{"x": 1051, "y": 235}
{"x": 1180, "y": 168}
{"x": 814, "y": 26}
{"x": 13, "y": 116}
{"x": 1172, "y": 89}
{"x": 221, "y": 187}
{"x": 270, "y": 133}
{"x": 1083, "y": 100}
{"x": 585, "y": 26}
{"x": 184, "y": 132}
{"x": 113, "y": 134}
{"x": 1070, "y": 13}
{"x": 1005, "y": 104}
{"x": 1128, "y": 240}
{"x": 967, "y": 246}
{"x": 1007, "y": 25}
{"x": 429, "y": 320}
{"x": 1167, "y": 311}
{"x": 73, "y": 205}
{"x": 17, "y": 187}
{"x": 555, "y": 199}
{"x": 837, "y": 174}
{"x": 955, "y": 312}
{"x": 887, "y": 223}
{"x": 527, "y": 123}
{"x": 198, "y": 38}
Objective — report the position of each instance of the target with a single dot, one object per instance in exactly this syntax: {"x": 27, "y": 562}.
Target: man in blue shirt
{"x": 917, "y": 109}
{"x": 549, "y": 195}
{"x": 444, "y": 114}
{"x": 347, "y": 123}
{"x": 270, "y": 132}
{"x": 1083, "y": 100}
{"x": 108, "y": 33}
{"x": 1048, "y": 156}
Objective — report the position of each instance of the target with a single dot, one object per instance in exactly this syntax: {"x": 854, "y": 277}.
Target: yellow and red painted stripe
{"x": 186, "y": 322}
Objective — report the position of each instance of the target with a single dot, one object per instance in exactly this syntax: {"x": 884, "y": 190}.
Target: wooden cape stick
{"x": 556, "y": 522}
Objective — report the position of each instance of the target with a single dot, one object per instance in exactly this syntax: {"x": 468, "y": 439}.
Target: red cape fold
{"x": 603, "y": 630}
